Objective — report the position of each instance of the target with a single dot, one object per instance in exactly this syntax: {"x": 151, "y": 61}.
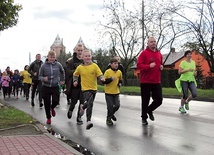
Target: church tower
{"x": 80, "y": 42}
{"x": 58, "y": 46}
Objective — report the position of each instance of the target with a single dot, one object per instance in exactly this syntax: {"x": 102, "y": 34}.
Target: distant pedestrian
{"x": 113, "y": 82}
{"x": 10, "y": 74}
{"x": 36, "y": 83}
{"x": 22, "y": 90}
{"x": 16, "y": 83}
{"x": 5, "y": 82}
{"x": 89, "y": 72}
{"x": 27, "y": 81}
{"x": 186, "y": 82}
{"x": 149, "y": 64}
{"x": 52, "y": 75}
{"x": 75, "y": 92}
{"x": 0, "y": 80}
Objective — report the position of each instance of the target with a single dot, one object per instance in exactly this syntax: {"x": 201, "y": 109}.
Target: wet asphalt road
{"x": 171, "y": 133}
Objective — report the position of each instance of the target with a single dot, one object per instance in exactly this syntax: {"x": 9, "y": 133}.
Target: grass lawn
{"x": 202, "y": 93}
{"x": 10, "y": 117}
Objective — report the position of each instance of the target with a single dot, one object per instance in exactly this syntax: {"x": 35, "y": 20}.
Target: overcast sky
{"x": 39, "y": 23}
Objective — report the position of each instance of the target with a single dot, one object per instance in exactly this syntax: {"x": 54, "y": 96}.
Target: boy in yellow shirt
{"x": 113, "y": 81}
{"x": 89, "y": 72}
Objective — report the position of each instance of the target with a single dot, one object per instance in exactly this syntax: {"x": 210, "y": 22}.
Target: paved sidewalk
{"x": 44, "y": 144}
{"x": 33, "y": 143}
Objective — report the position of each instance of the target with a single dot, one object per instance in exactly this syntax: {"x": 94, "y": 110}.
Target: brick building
{"x": 58, "y": 46}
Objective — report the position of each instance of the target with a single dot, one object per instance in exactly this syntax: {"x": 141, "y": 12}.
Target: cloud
{"x": 94, "y": 6}
{"x": 39, "y": 23}
{"x": 42, "y": 13}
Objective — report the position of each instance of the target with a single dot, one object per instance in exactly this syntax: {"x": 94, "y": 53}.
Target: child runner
{"x": 113, "y": 81}
{"x": 51, "y": 74}
{"x": 5, "y": 82}
{"x": 89, "y": 72}
{"x": 16, "y": 83}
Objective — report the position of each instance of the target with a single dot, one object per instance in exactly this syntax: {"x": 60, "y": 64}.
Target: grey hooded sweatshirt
{"x": 54, "y": 71}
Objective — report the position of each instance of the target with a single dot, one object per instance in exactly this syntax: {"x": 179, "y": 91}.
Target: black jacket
{"x": 34, "y": 67}
{"x": 71, "y": 65}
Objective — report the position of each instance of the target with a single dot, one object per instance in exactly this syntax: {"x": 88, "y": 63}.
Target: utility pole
{"x": 142, "y": 24}
{"x": 29, "y": 58}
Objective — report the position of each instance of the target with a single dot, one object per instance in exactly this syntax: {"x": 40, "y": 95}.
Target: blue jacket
{"x": 15, "y": 78}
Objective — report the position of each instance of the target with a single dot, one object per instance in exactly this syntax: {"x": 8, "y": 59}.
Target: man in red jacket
{"x": 150, "y": 65}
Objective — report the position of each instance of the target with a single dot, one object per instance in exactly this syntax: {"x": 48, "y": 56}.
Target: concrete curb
{"x": 63, "y": 144}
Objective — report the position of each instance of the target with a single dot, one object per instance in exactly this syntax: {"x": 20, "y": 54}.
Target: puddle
{"x": 71, "y": 143}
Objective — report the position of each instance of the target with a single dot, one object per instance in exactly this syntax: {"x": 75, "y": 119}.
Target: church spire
{"x": 80, "y": 41}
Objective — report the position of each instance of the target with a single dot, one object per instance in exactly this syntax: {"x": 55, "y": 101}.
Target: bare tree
{"x": 124, "y": 27}
{"x": 159, "y": 22}
{"x": 123, "y": 33}
{"x": 202, "y": 27}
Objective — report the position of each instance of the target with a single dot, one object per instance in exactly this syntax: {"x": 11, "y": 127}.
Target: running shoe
{"x": 89, "y": 125}
{"x": 48, "y": 121}
{"x": 69, "y": 114}
{"x": 114, "y": 118}
{"x": 182, "y": 110}
{"x": 109, "y": 122}
{"x": 79, "y": 121}
{"x": 187, "y": 105}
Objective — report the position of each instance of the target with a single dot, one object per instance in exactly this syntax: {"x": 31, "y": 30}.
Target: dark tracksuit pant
{"x": 156, "y": 93}
{"x": 15, "y": 89}
{"x": 76, "y": 95}
{"x": 113, "y": 104}
{"x": 89, "y": 97}
{"x": 50, "y": 96}
{"x": 27, "y": 89}
{"x": 10, "y": 87}
{"x": 36, "y": 85}
{"x": 5, "y": 91}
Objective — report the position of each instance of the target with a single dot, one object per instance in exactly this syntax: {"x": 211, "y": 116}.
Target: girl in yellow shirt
{"x": 27, "y": 81}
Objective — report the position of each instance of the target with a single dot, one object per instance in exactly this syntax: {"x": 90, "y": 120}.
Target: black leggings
{"x": 16, "y": 89}
{"x": 5, "y": 91}
{"x": 188, "y": 85}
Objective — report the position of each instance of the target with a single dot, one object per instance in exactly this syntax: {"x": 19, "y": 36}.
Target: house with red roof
{"x": 173, "y": 59}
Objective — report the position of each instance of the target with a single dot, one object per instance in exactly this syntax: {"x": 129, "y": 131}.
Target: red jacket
{"x": 147, "y": 74}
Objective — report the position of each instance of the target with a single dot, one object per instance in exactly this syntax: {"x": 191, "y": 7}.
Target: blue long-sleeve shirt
{"x": 16, "y": 78}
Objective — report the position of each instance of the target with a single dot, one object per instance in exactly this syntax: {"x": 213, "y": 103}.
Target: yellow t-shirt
{"x": 188, "y": 76}
{"x": 88, "y": 75}
{"x": 112, "y": 87}
{"x": 26, "y": 77}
